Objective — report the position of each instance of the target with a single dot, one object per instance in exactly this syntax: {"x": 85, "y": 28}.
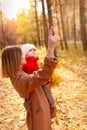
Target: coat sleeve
{"x": 25, "y": 83}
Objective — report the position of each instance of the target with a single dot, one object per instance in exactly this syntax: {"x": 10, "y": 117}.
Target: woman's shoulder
{"x": 19, "y": 82}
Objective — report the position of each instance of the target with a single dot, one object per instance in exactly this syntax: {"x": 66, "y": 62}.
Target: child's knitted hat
{"x": 26, "y": 47}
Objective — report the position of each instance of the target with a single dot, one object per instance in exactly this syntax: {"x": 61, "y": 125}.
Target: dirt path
{"x": 71, "y": 101}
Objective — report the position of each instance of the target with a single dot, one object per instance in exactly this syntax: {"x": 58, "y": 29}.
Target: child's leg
{"x": 51, "y": 100}
{"x": 49, "y": 96}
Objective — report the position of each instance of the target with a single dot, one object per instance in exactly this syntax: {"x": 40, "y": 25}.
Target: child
{"x": 30, "y": 64}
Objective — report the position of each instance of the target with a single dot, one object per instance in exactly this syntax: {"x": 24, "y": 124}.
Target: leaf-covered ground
{"x": 71, "y": 100}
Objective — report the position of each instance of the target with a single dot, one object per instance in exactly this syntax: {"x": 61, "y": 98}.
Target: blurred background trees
{"x": 69, "y": 19}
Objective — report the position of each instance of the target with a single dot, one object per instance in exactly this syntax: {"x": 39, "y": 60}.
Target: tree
{"x": 63, "y": 28}
{"x": 37, "y": 25}
{"x": 45, "y": 24}
{"x": 74, "y": 24}
{"x": 22, "y": 26}
{"x": 50, "y": 19}
{"x": 10, "y": 32}
{"x": 26, "y": 26}
{"x": 82, "y": 24}
{"x": 57, "y": 18}
{"x": 2, "y": 39}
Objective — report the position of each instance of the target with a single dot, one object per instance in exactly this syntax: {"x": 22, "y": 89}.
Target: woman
{"x": 29, "y": 85}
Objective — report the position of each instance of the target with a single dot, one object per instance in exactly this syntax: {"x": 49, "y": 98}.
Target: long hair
{"x": 11, "y": 61}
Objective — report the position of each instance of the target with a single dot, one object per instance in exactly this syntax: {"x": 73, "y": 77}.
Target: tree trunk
{"x": 63, "y": 29}
{"x": 45, "y": 24}
{"x": 74, "y": 30}
{"x": 50, "y": 18}
{"x": 67, "y": 21}
{"x": 2, "y": 40}
{"x": 82, "y": 24}
{"x": 61, "y": 44}
{"x": 37, "y": 25}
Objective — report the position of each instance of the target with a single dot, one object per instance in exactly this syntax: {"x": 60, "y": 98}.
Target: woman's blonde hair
{"x": 11, "y": 61}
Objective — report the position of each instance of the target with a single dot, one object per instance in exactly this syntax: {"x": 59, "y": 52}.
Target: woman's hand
{"x": 52, "y": 39}
{"x": 52, "y": 42}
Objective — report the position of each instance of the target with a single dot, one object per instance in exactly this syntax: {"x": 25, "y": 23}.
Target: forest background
{"x": 69, "y": 19}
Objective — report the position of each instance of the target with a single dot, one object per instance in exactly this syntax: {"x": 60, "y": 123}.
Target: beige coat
{"x": 29, "y": 87}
